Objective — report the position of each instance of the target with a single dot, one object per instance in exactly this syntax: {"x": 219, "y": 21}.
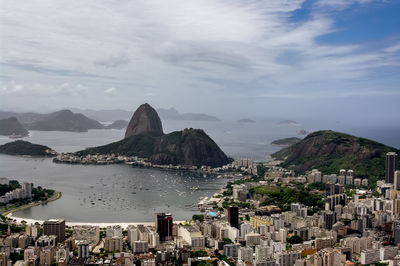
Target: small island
{"x": 20, "y": 147}
{"x": 286, "y": 141}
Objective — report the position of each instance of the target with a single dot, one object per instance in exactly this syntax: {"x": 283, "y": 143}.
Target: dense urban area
{"x": 269, "y": 216}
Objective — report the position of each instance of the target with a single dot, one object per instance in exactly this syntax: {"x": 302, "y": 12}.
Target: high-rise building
{"x": 27, "y": 187}
{"x": 231, "y": 250}
{"x": 329, "y": 219}
{"x": 391, "y": 167}
{"x": 397, "y": 180}
{"x": 245, "y": 254}
{"x": 233, "y": 216}
{"x": 55, "y": 227}
{"x": 83, "y": 249}
{"x": 164, "y": 225}
{"x": 396, "y": 232}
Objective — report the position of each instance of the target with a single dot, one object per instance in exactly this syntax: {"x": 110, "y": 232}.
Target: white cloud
{"x": 111, "y": 91}
{"x": 41, "y": 90}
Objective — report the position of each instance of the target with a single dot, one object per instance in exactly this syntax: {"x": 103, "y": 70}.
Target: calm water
{"x": 112, "y": 193}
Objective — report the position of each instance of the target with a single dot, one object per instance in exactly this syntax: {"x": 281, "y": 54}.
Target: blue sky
{"x": 322, "y": 58}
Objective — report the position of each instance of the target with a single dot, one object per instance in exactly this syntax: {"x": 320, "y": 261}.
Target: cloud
{"x": 110, "y": 91}
{"x": 41, "y": 90}
{"x": 113, "y": 61}
{"x": 195, "y": 50}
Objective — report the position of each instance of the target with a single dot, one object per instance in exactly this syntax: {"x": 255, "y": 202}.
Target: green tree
{"x": 295, "y": 240}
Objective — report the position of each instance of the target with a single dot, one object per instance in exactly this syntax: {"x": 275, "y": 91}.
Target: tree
{"x": 295, "y": 240}
{"x": 198, "y": 217}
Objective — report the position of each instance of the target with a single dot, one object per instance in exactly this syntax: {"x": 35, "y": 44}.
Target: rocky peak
{"x": 144, "y": 120}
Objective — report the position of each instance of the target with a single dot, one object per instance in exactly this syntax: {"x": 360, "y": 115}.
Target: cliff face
{"x": 331, "y": 151}
{"x": 65, "y": 120}
{"x": 11, "y": 126}
{"x": 144, "y": 120}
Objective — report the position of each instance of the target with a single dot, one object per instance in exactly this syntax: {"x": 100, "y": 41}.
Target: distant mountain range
{"x": 79, "y": 120}
{"x": 63, "y": 120}
{"x": 173, "y": 114}
{"x": 11, "y": 126}
{"x": 165, "y": 114}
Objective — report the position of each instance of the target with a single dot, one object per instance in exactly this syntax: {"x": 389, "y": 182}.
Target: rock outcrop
{"x": 145, "y": 120}
{"x": 11, "y": 126}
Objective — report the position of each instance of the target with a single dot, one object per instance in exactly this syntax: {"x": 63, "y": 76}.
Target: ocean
{"x": 120, "y": 193}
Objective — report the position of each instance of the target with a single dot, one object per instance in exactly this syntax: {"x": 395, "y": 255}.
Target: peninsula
{"x": 21, "y": 147}
{"x": 144, "y": 138}
{"x": 330, "y": 151}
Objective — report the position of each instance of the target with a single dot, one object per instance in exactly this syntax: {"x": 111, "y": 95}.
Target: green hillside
{"x": 330, "y": 151}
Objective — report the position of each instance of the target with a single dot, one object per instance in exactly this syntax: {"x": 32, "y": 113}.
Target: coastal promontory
{"x": 330, "y": 151}
{"x": 21, "y": 147}
{"x": 145, "y": 139}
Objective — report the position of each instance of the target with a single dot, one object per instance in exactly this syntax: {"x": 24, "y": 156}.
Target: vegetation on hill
{"x": 330, "y": 151}
{"x": 187, "y": 147}
{"x": 21, "y": 147}
{"x": 284, "y": 196}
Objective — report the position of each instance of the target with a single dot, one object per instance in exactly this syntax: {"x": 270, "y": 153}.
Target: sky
{"x": 288, "y": 58}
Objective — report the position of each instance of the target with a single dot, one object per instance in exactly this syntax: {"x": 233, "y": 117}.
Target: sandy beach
{"x": 18, "y": 220}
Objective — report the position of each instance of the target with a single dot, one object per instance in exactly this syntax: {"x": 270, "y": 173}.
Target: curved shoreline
{"x": 124, "y": 225}
{"x": 56, "y": 196}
